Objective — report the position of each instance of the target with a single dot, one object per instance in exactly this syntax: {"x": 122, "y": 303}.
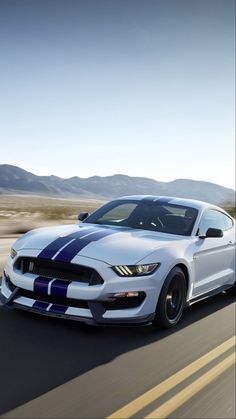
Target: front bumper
{"x": 95, "y": 311}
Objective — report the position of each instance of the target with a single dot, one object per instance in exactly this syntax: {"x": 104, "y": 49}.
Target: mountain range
{"x": 14, "y": 180}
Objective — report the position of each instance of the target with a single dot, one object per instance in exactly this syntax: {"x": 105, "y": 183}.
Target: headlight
{"x": 13, "y": 253}
{"x": 135, "y": 270}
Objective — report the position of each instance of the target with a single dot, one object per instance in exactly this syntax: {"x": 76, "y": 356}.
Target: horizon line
{"x": 119, "y": 174}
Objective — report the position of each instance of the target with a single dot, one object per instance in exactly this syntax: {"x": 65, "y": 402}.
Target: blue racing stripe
{"x": 53, "y": 247}
{"x": 40, "y": 305}
{"x": 41, "y": 285}
{"x": 59, "y": 288}
{"x": 57, "y": 244}
{"x": 58, "y": 309}
{"x": 70, "y": 251}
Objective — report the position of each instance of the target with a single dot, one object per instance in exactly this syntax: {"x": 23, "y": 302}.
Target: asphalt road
{"x": 51, "y": 368}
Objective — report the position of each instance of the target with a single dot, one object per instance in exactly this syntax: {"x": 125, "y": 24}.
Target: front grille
{"x": 60, "y": 270}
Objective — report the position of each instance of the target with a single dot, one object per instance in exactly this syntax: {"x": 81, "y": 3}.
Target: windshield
{"x": 154, "y": 216}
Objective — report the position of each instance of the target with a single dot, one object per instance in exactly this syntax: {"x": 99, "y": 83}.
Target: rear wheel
{"x": 172, "y": 299}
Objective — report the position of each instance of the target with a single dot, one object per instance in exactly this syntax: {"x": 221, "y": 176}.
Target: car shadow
{"x": 40, "y": 353}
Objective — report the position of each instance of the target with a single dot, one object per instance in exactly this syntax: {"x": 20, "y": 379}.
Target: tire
{"x": 231, "y": 291}
{"x": 172, "y": 299}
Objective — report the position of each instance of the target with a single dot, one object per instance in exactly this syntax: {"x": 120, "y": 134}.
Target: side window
{"x": 214, "y": 219}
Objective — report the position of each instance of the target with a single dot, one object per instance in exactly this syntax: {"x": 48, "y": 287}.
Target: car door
{"x": 214, "y": 257}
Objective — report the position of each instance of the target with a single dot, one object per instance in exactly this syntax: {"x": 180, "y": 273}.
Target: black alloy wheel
{"x": 172, "y": 299}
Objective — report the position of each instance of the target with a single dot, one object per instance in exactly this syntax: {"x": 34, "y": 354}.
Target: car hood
{"x": 113, "y": 245}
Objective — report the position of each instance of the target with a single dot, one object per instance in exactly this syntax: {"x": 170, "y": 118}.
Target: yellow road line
{"x": 145, "y": 399}
{"x": 183, "y": 396}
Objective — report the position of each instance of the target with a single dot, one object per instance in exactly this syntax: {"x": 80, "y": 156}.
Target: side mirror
{"x": 212, "y": 232}
{"x": 82, "y": 216}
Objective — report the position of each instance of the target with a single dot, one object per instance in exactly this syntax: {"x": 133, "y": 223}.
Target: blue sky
{"x": 98, "y": 87}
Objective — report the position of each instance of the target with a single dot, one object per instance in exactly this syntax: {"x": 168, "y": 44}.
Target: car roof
{"x": 200, "y": 205}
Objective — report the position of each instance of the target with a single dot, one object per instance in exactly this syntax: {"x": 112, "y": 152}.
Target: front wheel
{"x": 172, "y": 299}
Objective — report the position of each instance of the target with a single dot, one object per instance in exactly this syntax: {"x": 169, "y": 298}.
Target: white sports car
{"x": 136, "y": 260}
